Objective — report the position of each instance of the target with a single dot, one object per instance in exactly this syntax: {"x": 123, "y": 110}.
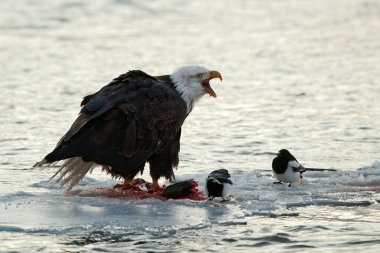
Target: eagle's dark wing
{"x": 123, "y": 124}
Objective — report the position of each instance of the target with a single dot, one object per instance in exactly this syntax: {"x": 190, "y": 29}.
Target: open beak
{"x": 206, "y": 83}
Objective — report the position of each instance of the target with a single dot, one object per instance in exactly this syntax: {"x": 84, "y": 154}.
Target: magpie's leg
{"x": 279, "y": 182}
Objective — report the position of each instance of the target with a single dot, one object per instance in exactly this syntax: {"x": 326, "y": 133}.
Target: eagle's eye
{"x": 199, "y": 75}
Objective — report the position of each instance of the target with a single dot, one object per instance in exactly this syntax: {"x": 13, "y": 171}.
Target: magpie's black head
{"x": 285, "y": 154}
{"x": 220, "y": 173}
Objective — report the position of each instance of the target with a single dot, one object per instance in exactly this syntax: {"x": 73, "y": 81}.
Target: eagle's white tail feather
{"x": 72, "y": 171}
{"x": 41, "y": 163}
{"x": 62, "y": 170}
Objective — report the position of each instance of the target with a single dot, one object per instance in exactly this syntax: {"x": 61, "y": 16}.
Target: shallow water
{"x": 301, "y": 75}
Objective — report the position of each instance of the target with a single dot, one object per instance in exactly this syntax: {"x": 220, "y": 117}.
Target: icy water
{"x": 301, "y": 75}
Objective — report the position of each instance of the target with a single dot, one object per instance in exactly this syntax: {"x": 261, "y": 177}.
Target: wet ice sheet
{"x": 349, "y": 197}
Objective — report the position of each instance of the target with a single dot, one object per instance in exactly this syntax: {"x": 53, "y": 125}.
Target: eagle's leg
{"x": 155, "y": 186}
{"x": 301, "y": 178}
{"x": 124, "y": 185}
{"x": 162, "y": 163}
{"x": 279, "y": 182}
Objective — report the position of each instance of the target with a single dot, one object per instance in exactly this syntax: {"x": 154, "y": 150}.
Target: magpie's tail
{"x": 316, "y": 169}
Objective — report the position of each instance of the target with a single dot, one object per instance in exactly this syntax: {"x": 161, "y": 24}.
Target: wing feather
{"x": 129, "y": 139}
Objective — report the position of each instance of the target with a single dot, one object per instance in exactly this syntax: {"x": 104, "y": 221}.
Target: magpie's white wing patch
{"x": 213, "y": 179}
{"x": 294, "y": 165}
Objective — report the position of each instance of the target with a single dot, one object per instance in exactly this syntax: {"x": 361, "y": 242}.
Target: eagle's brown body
{"x": 135, "y": 119}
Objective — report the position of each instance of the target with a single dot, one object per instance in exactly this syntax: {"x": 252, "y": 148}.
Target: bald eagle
{"x": 135, "y": 119}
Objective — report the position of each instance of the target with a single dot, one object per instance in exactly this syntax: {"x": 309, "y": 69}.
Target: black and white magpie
{"x": 287, "y": 169}
{"x": 217, "y": 184}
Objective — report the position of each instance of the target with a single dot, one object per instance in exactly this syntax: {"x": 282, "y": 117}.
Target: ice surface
{"x": 86, "y": 216}
{"x": 251, "y": 194}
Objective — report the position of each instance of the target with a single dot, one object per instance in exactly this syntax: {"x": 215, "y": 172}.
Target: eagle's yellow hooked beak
{"x": 206, "y": 83}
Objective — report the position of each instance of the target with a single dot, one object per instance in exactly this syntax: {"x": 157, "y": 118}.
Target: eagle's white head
{"x": 192, "y": 82}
